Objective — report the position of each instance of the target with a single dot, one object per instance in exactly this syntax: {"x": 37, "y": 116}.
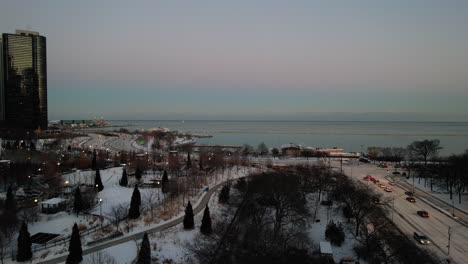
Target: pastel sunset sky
{"x": 250, "y": 58}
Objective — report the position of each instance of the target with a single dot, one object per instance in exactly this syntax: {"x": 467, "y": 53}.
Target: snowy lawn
{"x": 123, "y": 253}
{"x": 440, "y": 193}
{"x": 316, "y": 230}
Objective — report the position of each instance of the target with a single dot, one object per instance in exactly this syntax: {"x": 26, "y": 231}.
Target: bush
{"x": 334, "y": 233}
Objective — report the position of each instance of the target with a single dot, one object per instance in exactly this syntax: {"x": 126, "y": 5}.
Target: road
{"x": 196, "y": 210}
{"x": 436, "y": 227}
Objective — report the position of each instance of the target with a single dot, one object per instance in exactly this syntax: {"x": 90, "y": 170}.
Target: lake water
{"x": 352, "y": 136}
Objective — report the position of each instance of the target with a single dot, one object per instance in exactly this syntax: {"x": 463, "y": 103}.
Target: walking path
{"x": 197, "y": 209}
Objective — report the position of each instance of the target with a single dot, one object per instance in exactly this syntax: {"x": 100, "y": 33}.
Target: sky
{"x": 244, "y": 59}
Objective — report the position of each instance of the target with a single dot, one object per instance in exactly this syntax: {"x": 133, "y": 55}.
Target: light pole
{"x": 100, "y": 210}
{"x": 453, "y": 207}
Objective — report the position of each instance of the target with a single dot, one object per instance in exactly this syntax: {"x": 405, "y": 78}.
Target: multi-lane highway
{"x": 436, "y": 227}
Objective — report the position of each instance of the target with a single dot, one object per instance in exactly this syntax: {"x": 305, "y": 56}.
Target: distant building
{"x": 23, "y": 88}
{"x": 291, "y": 149}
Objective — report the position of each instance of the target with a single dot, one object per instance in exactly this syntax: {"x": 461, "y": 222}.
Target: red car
{"x": 423, "y": 213}
{"x": 411, "y": 199}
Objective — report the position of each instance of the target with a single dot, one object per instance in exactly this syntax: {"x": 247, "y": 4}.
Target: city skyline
{"x": 265, "y": 59}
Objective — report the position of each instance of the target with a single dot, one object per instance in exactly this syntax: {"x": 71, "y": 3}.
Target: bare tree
{"x": 151, "y": 201}
{"x": 425, "y": 148}
{"x": 118, "y": 213}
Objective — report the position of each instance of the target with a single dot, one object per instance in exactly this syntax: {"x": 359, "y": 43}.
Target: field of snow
{"x": 441, "y": 193}
{"x": 124, "y": 253}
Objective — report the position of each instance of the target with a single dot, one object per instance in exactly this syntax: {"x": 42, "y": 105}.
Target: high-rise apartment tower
{"x": 24, "y": 79}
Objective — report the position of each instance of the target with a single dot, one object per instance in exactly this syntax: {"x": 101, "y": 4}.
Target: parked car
{"x": 396, "y": 173}
{"x": 389, "y": 189}
{"x": 382, "y": 185}
{"x": 364, "y": 160}
{"x": 423, "y": 213}
{"x": 410, "y": 199}
{"x": 409, "y": 193}
{"x": 392, "y": 183}
{"x": 367, "y": 178}
{"x": 422, "y": 239}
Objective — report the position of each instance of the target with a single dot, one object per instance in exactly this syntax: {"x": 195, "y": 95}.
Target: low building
{"x": 326, "y": 253}
{"x": 291, "y": 149}
{"x": 53, "y": 206}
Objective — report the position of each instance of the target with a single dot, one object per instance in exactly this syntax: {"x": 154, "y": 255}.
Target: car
{"x": 409, "y": 193}
{"x": 410, "y": 199}
{"x": 364, "y": 160}
{"x": 372, "y": 179}
{"x": 396, "y": 173}
{"x": 206, "y": 189}
{"x": 382, "y": 185}
{"x": 367, "y": 178}
{"x": 423, "y": 213}
{"x": 422, "y": 239}
{"x": 376, "y": 200}
{"x": 388, "y": 189}
{"x": 392, "y": 183}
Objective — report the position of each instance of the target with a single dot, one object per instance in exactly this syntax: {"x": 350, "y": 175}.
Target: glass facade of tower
{"x": 25, "y": 80}
{"x": 2, "y": 91}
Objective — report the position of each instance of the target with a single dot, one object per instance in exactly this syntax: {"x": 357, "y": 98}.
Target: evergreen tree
{"x": 224, "y": 194}
{"x": 188, "y": 217}
{"x": 24, "y": 244}
{"x": 205, "y": 227}
{"x": 138, "y": 173}
{"x": 75, "y": 254}
{"x": 32, "y": 146}
{"x": 144, "y": 256}
{"x": 165, "y": 183}
{"x": 98, "y": 182}
{"x": 124, "y": 180}
{"x": 10, "y": 203}
{"x": 189, "y": 161}
{"x": 93, "y": 162}
{"x": 10, "y": 206}
{"x": 134, "y": 211}
{"x": 78, "y": 201}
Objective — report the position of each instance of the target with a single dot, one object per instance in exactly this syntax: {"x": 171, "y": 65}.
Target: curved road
{"x": 198, "y": 208}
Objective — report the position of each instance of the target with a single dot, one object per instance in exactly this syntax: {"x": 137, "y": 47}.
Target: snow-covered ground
{"x": 123, "y": 253}
{"x": 316, "y": 230}
{"x": 441, "y": 193}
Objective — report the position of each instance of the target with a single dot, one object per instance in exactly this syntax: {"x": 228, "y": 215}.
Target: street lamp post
{"x": 453, "y": 208}
{"x": 100, "y": 210}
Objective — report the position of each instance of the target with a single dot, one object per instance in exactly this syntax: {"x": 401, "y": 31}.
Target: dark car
{"x": 409, "y": 193}
{"x": 423, "y": 213}
{"x": 376, "y": 200}
{"x": 411, "y": 199}
{"x": 422, "y": 239}
{"x": 396, "y": 173}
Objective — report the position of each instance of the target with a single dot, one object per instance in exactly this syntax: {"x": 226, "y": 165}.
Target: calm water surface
{"x": 352, "y": 136}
